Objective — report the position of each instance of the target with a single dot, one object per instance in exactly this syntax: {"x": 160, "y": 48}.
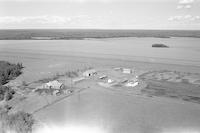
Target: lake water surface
{"x": 185, "y": 51}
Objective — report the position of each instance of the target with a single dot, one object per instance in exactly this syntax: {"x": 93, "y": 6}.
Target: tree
{"x": 9, "y": 71}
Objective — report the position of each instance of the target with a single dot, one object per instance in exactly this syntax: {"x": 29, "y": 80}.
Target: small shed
{"x": 127, "y": 71}
{"x": 110, "y": 81}
{"x": 89, "y": 73}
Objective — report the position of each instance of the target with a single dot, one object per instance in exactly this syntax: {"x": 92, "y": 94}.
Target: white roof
{"x": 126, "y": 70}
{"x": 110, "y": 80}
{"x": 132, "y": 84}
{"x": 54, "y": 83}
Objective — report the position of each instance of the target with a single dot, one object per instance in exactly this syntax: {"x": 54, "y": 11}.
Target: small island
{"x": 159, "y": 45}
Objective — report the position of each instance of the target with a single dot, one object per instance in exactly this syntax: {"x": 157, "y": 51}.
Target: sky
{"x": 100, "y": 14}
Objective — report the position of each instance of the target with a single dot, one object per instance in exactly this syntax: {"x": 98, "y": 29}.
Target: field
{"x": 150, "y": 108}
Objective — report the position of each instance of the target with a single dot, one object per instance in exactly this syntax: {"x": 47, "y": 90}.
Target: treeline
{"x": 9, "y": 71}
{"x": 91, "y": 33}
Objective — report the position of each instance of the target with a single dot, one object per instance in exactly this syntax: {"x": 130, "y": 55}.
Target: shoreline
{"x": 96, "y": 38}
{"x": 92, "y": 33}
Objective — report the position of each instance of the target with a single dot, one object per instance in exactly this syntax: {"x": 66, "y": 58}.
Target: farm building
{"x": 117, "y": 68}
{"x": 89, "y": 73}
{"x": 55, "y": 85}
{"x": 126, "y": 70}
{"x": 110, "y": 81}
{"x": 132, "y": 84}
{"x": 52, "y": 85}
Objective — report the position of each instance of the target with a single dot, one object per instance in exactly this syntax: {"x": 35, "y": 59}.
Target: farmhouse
{"x": 55, "y": 84}
{"x": 51, "y": 85}
{"x": 89, "y": 73}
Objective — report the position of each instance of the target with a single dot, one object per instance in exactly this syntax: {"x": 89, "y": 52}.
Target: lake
{"x": 183, "y": 51}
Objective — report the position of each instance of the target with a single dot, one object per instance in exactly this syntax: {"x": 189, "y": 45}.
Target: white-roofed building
{"x": 127, "y": 71}
{"x": 52, "y": 85}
